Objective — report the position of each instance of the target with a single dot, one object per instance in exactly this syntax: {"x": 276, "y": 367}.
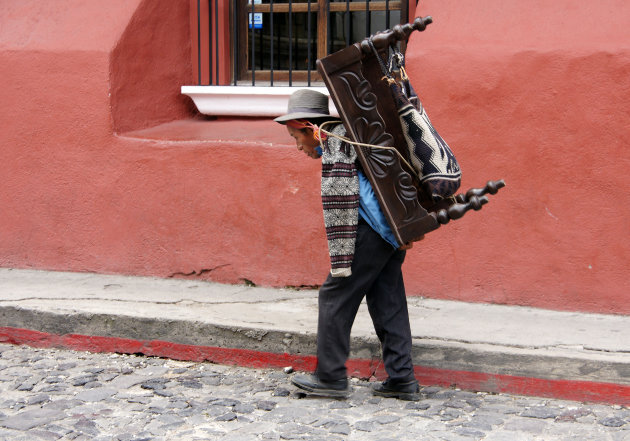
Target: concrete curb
{"x": 522, "y": 362}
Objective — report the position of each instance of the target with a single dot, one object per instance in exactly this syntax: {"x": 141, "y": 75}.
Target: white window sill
{"x": 245, "y": 100}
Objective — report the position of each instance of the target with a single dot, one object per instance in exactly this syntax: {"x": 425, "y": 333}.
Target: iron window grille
{"x": 276, "y": 42}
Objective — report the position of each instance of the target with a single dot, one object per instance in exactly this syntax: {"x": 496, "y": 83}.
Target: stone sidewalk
{"x": 449, "y": 337}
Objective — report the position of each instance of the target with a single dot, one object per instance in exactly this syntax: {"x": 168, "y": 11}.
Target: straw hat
{"x": 306, "y": 104}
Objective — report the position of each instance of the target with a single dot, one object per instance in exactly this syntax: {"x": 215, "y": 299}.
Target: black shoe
{"x": 408, "y": 390}
{"x": 312, "y": 384}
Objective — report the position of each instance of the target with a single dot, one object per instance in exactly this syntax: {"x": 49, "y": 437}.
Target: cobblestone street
{"x": 59, "y": 394}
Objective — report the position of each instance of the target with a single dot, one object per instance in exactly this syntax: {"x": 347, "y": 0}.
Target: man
{"x": 365, "y": 260}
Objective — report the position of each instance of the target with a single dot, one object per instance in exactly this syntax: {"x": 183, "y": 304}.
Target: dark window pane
{"x": 299, "y": 41}
{"x": 339, "y": 31}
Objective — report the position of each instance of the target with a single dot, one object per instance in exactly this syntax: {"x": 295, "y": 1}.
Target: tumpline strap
{"x": 386, "y": 72}
{"x": 361, "y": 144}
{"x": 396, "y": 58}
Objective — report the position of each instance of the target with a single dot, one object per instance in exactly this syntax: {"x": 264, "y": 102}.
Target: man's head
{"x": 305, "y": 139}
{"x": 306, "y": 109}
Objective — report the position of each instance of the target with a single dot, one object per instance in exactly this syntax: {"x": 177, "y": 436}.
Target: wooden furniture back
{"x": 353, "y": 77}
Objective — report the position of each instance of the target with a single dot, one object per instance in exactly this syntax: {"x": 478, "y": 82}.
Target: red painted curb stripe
{"x": 478, "y": 381}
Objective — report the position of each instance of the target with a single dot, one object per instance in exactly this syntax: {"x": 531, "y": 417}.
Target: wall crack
{"x": 196, "y": 273}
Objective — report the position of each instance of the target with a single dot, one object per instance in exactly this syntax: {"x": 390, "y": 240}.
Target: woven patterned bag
{"x": 438, "y": 171}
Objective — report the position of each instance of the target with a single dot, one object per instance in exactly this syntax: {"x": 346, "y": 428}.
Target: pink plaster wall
{"x": 148, "y": 65}
{"x": 534, "y": 93}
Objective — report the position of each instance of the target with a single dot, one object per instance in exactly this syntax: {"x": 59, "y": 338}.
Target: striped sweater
{"x": 340, "y": 199}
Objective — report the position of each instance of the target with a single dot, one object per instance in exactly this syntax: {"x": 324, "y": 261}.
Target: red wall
{"x": 536, "y": 93}
{"x": 532, "y": 92}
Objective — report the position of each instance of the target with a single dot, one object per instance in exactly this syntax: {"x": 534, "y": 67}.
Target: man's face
{"x": 305, "y": 141}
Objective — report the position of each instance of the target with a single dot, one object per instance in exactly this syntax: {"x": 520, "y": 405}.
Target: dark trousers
{"x": 377, "y": 275}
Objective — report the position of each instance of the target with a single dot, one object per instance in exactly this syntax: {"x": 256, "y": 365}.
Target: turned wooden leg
{"x": 458, "y": 210}
{"x": 492, "y": 187}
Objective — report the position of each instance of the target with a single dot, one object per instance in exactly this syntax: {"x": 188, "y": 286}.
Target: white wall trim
{"x": 261, "y": 101}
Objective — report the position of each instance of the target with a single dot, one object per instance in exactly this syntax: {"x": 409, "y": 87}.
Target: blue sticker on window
{"x": 258, "y": 17}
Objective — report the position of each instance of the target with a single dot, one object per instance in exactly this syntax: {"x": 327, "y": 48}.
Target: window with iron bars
{"x": 276, "y": 42}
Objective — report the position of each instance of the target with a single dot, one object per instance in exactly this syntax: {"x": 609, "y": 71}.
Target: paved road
{"x": 59, "y": 394}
